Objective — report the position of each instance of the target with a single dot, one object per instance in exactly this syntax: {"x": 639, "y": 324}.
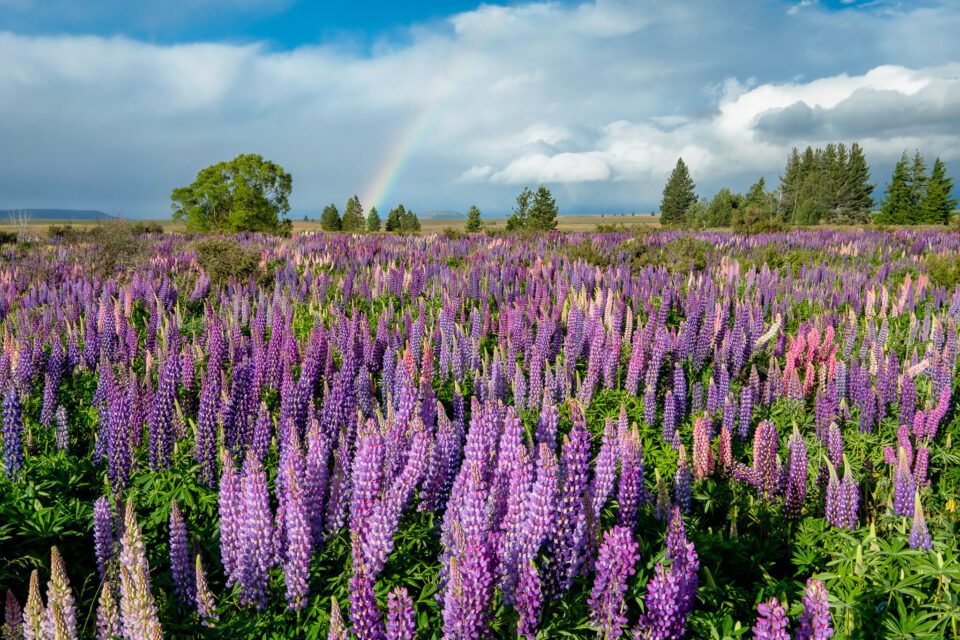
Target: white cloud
{"x": 596, "y": 99}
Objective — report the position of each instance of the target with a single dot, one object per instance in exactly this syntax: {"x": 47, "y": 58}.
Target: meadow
{"x": 648, "y": 434}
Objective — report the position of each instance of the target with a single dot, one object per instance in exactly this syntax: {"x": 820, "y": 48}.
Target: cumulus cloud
{"x": 597, "y": 100}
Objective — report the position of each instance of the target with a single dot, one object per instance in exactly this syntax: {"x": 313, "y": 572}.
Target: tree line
{"x": 829, "y": 185}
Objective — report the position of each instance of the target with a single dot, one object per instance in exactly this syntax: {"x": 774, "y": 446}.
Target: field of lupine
{"x": 564, "y": 436}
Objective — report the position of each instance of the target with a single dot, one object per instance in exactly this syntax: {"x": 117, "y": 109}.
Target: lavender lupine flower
{"x": 34, "y": 613}
{"x": 137, "y": 609}
{"x": 205, "y": 449}
{"x": 161, "y": 418}
{"x": 256, "y": 535}
{"x": 571, "y": 520}
{"x": 183, "y": 578}
{"x": 904, "y": 487}
{"x": 815, "y": 621}
{"x": 843, "y": 499}
{"x": 771, "y": 621}
{"x": 616, "y": 563}
{"x": 631, "y": 491}
{"x": 12, "y": 433}
{"x": 364, "y": 612}
{"x": 337, "y": 629}
{"x": 401, "y": 624}
{"x": 103, "y": 535}
{"x": 919, "y": 534}
{"x": 671, "y": 592}
{"x": 529, "y": 600}
{"x": 669, "y": 416}
{"x": 703, "y": 463}
{"x": 13, "y": 619}
{"x": 605, "y": 469}
{"x": 63, "y": 430}
{"x": 109, "y": 625}
{"x": 206, "y": 606}
{"x": 299, "y": 539}
{"x": 61, "y": 606}
{"x": 796, "y": 489}
{"x": 765, "y": 462}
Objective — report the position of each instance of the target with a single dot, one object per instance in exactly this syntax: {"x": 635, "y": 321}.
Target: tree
{"x": 938, "y": 204}
{"x": 858, "y": 191}
{"x": 698, "y": 214}
{"x": 330, "y": 218}
{"x": 395, "y": 218}
{"x": 518, "y": 220}
{"x": 918, "y": 187}
{"x": 720, "y": 210}
{"x": 353, "y": 216}
{"x": 543, "y": 213}
{"x": 410, "y": 223}
{"x": 678, "y": 195}
{"x": 247, "y": 193}
{"x": 373, "y": 220}
{"x": 474, "y": 223}
{"x": 898, "y": 197}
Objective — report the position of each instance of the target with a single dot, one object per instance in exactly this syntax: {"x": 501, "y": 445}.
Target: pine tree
{"x": 395, "y": 218}
{"x": 858, "y": 198}
{"x": 518, "y": 220}
{"x": 353, "y": 216}
{"x": 474, "y": 223}
{"x": 373, "y": 220}
{"x": 938, "y": 204}
{"x": 409, "y": 223}
{"x": 918, "y": 187}
{"x": 720, "y": 210}
{"x": 790, "y": 185}
{"x": 543, "y": 212}
{"x": 330, "y": 219}
{"x": 898, "y": 197}
{"x": 678, "y": 194}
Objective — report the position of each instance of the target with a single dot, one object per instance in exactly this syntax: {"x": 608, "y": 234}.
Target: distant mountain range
{"x": 441, "y": 214}
{"x": 67, "y": 215}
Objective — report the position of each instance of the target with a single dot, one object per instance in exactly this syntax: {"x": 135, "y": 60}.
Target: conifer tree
{"x": 543, "y": 212}
{"x": 474, "y": 223}
{"x": 898, "y": 197}
{"x": 918, "y": 188}
{"x": 330, "y": 218}
{"x": 373, "y": 220}
{"x": 518, "y": 219}
{"x": 395, "y": 218}
{"x": 353, "y": 216}
{"x": 938, "y": 204}
{"x": 678, "y": 194}
{"x": 858, "y": 198}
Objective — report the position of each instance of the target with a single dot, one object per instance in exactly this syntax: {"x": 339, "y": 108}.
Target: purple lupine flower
{"x": 529, "y": 599}
{"x": 401, "y": 622}
{"x": 669, "y": 416}
{"x": 364, "y": 612}
{"x": 317, "y": 479}
{"x": 160, "y": 424}
{"x": 13, "y": 618}
{"x": 796, "y": 489}
{"x": 256, "y": 535}
{"x": 766, "y": 465}
{"x": 631, "y": 491}
{"x": 337, "y": 629}
{"x": 206, "y": 606}
{"x": 919, "y": 534}
{"x": 231, "y": 520}
{"x": 103, "y": 535}
{"x": 109, "y": 625}
{"x": 262, "y": 432}
{"x": 61, "y": 606}
{"x": 299, "y": 538}
{"x": 137, "y": 609}
{"x": 662, "y": 619}
{"x": 12, "y": 433}
{"x": 771, "y": 621}
{"x": 681, "y": 482}
{"x": 842, "y": 500}
{"x": 205, "y": 449}
{"x": 63, "y": 430}
{"x": 605, "y": 469}
{"x": 815, "y": 621}
{"x": 616, "y": 563}
{"x": 703, "y": 463}
{"x": 183, "y": 574}
{"x": 571, "y": 519}
{"x": 904, "y": 487}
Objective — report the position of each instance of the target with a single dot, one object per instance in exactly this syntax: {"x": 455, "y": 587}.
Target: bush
{"x": 944, "y": 271}
{"x": 682, "y": 255}
{"x": 588, "y": 252}
{"x": 111, "y": 247}
{"x": 7, "y": 237}
{"x": 225, "y": 258}
{"x": 452, "y": 234}
{"x": 146, "y": 227}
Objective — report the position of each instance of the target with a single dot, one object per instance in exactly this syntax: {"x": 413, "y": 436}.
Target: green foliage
{"x": 914, "y": 197}
{"x": 543, "y": 212}
{"x": 330, "y": 218}
{"x": 402, "y": 220}
{"x": 682, "y": 255}
{"x": 938, "y": 204}
{"x": 474, "y": 223}
{"x": 353, "y": 221}
{"x": 944, "y": 271}
{"x": 224, "y": 259}
{"x": 589, "y": 253}
{"x": 720, "y": 210}
{"x": 829, "y": 185}
{"x": 678, "y": 195}
{"x": 247, "y": 193}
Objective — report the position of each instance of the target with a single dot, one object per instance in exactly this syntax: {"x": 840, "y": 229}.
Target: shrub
{"x": 944, "y": 271}
{"x": 111, "y": 247}
{"x": 225, "y": 258}
{"x": 588, "y": 252}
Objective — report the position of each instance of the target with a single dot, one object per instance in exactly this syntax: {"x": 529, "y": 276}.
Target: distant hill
{"x": 57, "y": 214}
{"x": 441, "y": 214}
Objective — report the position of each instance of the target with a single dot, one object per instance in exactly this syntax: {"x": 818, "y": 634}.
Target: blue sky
{"x": 110, "y": 105}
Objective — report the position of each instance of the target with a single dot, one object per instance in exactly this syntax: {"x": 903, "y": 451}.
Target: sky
{"x": 439, "y": 105}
